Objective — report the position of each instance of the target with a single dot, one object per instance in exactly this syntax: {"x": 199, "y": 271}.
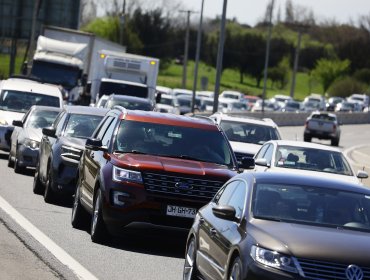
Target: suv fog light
{"x": 119, "y": 198}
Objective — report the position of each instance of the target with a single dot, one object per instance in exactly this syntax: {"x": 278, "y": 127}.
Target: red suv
{"x": 149, "y": 167}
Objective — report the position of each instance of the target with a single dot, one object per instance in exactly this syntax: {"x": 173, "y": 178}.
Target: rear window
{"x": 323, "y": 117}
{"x": 20, "y": 101}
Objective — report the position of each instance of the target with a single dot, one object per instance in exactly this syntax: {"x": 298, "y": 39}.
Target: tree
{"x": 327, "y": 71}
{"x": 280, "y": 73}
{"x": 346, "y": 86}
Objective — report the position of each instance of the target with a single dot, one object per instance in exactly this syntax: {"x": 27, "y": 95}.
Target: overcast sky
{"x": 251, "y": 11}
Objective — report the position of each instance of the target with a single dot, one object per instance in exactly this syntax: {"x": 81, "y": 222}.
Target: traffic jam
{"x": 251, "y": 203}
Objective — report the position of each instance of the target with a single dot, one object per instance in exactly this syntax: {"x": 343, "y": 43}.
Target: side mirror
{"x": 262, "y": 162}
{"x": 225, "y": 212}
{"x": 362, "y": 174}
{"x": 247, "y": 163}
{"x": 95, "y": 145}
{"x": 49, "y": 131}
{"x": 17, "y": 123}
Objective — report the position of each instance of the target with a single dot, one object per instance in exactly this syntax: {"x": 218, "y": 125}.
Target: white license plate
{"x": 180, "y": 211}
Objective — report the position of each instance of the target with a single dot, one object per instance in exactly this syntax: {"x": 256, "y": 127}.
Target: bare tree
{"x": 88, "y": 11}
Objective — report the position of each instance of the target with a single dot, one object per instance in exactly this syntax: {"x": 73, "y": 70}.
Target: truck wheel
{"x": 17, "y": 168}
{"x": 10, "y": 161}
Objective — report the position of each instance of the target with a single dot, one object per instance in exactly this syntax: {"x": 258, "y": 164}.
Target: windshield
{"x": 249, "y": 132}
{"x": 41, "y": 118}
{"x": 21, "y": 101}
{"x": 312, "y": 159}
{"x": 81, "y": 126}
{"x": 130, "y": 104}
{"x": 318, "y": 205}
{"x": 166, "y": 101}
{"x": 56, "y": 74}
{"x": 173, "y": 141}
{"x": 108, "y": 88}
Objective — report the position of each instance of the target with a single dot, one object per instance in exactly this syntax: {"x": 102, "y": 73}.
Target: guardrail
{"x": 298, "y": 119}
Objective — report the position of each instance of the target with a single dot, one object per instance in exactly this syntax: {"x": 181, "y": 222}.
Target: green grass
{"x": 230, "y": 79}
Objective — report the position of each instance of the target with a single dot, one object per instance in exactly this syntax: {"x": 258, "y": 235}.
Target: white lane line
{"x": 51, "y": 246}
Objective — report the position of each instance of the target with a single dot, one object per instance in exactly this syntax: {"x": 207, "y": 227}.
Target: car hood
{"x": 246, "y": 148}
{"x": 33, "y": 133}
{"x": 312, "y": 242}
{"x": 9, "y": 116}
{"x": 352, "y": 179}
{"x": 174, "y": 165}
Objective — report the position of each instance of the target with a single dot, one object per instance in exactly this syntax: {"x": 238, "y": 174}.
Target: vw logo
{"x": 183, "y": 186}
{"x": 353, "y": 272}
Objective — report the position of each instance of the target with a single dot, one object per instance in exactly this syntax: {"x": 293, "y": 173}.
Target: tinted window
{"x": 224, "y": 197}
{"x": 237, "y": 199}
{"x": 41, "y": 118}
{"x": 130, "y": 104}
{"x": 82, "y": 126}
{"x": 109, "y": 133}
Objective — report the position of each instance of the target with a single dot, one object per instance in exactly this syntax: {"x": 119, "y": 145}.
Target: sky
{"x": 250, "y": 12}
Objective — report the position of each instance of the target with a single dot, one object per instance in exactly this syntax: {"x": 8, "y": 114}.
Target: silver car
{"x": 26, "y": 136}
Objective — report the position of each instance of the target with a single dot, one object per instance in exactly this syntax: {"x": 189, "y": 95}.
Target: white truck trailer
{"x": 64, "y": 56}
{"x": 123, "y": 73}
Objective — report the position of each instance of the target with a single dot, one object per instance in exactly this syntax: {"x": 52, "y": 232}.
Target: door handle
{"x": 201, "y": 220}
{"x": 213, "y": 232}
{"x": 92, "y": 155}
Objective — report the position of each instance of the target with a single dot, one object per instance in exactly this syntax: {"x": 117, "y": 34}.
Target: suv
{"x": 150, "y": 167}
{"x": 247, "y": 134}
{"x": 322, "y": 125}
{"x": 17, "y": 95}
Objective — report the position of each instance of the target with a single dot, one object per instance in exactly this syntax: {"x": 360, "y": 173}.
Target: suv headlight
{"x": 120, "y": 175}
{"x": 273, "y": 259}
{"x": 3, "y": 122}
{"x": 71, "y": 152}
{"x": 31, "y": 143}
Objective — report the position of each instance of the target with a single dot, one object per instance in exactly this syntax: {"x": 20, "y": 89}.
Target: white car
{"x": 16, "y": 98}
{"x": 167, "y": 104}
{"x": 361, "y": 99}
{"x": 231, "y": 94}
{"x": 306, "y": 158}
{"x": 246, "y": 135}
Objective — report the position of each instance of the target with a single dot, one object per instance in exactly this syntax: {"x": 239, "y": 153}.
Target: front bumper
{"x": 27, "y": 157}
{"x": 65, "y": 176}
{"x": 142, "y": 207}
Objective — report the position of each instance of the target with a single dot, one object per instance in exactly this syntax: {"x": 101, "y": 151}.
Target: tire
{"x": 10, "y": 161}
{"x": 307, "y": 139}
{"x": 17, "y": 168}
{"x": 49, "y": 195}
{"x": 38, "y": 187}
{"x": 79, "y": 217}
{"x": 98, "y": 230}
{"x": 190, "y": 271}
{"x": 235, "y": 271}
{"x": 335, "y": 142}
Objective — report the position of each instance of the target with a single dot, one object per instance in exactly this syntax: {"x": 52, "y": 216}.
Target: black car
{"x": 281, "y": 226}
{"x": 129, "y": 102}
{"x": 60, "y": 150}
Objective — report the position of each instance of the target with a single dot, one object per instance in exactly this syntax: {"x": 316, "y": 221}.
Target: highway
{"x": 66, "y": 253}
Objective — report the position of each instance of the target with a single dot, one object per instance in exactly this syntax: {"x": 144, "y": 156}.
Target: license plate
{"x": 180, "y": 211}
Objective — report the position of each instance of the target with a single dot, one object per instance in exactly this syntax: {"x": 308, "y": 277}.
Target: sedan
{"x": 61, "y": 147}
{"x": 281, "y": 226}
{"x": 26, "y": 136}
{"x": 306, "y": 158}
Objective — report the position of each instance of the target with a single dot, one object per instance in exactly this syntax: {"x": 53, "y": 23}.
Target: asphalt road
{"x": 148, "y": 254}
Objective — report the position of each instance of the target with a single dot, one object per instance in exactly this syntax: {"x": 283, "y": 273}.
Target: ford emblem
{"x": 183, "y": 186}
{"x": 353, "y": 272}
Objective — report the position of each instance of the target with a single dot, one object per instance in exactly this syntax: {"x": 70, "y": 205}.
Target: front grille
{"x": 239, "y": 156}
{"x": 180, "y": 186}
{"x": 313, "y": 269}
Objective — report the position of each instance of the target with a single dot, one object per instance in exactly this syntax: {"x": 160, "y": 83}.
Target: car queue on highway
{"x": 207, "y": 175}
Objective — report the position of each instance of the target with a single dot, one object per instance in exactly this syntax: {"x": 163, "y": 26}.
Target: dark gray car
{"x": 61, "y": 147}
{"x": 281, "y": 226}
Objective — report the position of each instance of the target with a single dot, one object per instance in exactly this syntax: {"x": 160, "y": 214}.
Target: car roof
{"x": 275, "y": 177}
{"x": 45, "y": 108}
{"x": 85, "y": 110}
{"x": 267, "y": 122}
{"x": 167, "y": 118}
{"x": 303, "y": 144}
{"x": 17, "y": 84}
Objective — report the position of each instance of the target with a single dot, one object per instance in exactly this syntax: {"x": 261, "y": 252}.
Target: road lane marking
{"x": 348, "y": 152}
{"x": 51, "y": 246}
